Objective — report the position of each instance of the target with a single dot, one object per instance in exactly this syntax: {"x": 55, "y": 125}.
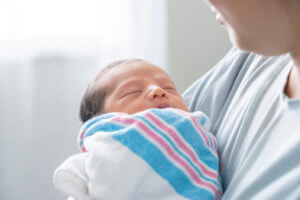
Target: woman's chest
{"x": 252, "y": 125}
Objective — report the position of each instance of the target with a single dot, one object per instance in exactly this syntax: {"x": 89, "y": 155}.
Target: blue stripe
{"x": 211, "y": 142}
{"x": 80, "y": 143}
{"x": 180, "y": 152}
{"x": 202, "y": 120}
{"x": 103, "y": 127}
{"x": 87, "y": 125}
{"x": 94, "y": 120}
{"x": 147, "y": 151}
{"x": 192, "y": 137}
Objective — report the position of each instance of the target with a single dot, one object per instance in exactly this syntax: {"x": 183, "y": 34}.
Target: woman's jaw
{"x": 258, "y": 26}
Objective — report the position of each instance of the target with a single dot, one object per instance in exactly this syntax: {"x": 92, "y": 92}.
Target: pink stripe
{"x": 215, "y": 144}
{"x": 83, "y": 149}
{"x": 169, "y": 150}
{"x": 191, "y": 154}
{"x": 212, "y": 138}
{"x": 81, "y": 135}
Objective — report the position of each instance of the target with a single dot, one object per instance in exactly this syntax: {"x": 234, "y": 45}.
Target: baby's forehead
{"x": 136, "y": 70}
{"x": 127, "y": 72}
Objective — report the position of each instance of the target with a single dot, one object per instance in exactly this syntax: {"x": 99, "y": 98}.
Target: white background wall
{"x": 49, "y": 51}
{"x": 196, "y": 42}
{"x": 39, "y": 124}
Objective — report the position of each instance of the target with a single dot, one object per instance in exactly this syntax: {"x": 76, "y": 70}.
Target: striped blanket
{"x": 163, "y": 154}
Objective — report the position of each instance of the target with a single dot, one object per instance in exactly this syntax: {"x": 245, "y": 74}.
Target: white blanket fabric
{"x": 157, "y": 154}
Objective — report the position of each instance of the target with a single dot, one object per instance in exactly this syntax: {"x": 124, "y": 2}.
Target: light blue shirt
{"x": 257, "y": 127}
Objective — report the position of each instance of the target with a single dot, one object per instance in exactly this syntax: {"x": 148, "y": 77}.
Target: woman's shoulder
{"x": 249, "y": 62}
{"x": 235, "y": 66}
{"x": 211, "y": 92}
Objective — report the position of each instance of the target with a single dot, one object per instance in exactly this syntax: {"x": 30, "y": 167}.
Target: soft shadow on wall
{"x": 196, "y": 42}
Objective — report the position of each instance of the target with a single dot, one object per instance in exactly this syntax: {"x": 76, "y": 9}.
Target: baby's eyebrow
{"x": 128, "y": 83}
{"x": 164, "y": 80}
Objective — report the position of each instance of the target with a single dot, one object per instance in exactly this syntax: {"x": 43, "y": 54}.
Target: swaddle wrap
{"x": 159, "y": 154}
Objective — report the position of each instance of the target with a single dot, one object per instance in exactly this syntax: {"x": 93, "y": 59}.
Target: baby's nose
{"x": 156, "y": 92}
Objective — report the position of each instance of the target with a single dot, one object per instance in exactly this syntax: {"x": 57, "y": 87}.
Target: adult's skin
{"x": 267, "y": 27}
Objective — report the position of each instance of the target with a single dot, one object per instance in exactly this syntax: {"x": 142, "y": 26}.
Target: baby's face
{"x": 139, "y": 86}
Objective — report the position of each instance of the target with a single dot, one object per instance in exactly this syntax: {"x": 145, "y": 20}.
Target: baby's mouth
{"x": 163, "y": 105}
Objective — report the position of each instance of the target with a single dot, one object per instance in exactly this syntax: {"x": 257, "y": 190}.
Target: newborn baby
{"x": 139, "y": 141}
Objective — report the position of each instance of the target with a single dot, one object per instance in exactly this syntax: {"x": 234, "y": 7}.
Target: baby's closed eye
{"x": 131, "y": 92}
{"x": 169, "y": 88}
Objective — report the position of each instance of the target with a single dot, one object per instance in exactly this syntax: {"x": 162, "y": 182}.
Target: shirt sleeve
{"x": 212, "y": 93}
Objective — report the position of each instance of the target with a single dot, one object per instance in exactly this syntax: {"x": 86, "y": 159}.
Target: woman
{"x": 254, "y": 100}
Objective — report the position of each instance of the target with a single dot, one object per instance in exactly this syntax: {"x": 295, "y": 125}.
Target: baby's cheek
{"x": 181, "y": 105}
{"x": 134, "y": 107}
{"x": 184, "y": 107}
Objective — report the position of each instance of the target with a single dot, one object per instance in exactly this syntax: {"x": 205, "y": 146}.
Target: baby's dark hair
{"x": 93, "y": 99}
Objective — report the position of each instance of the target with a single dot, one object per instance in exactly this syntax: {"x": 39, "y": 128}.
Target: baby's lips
{"x": 163, "y": 105}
